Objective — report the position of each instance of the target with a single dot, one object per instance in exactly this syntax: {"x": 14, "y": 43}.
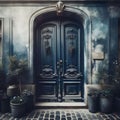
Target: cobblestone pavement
{"x": 62, "y": 114}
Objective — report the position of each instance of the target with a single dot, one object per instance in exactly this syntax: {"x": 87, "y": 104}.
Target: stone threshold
{"x": 51, "y": 105}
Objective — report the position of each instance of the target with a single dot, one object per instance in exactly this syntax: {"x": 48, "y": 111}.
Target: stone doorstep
{"x": 78, "y": 105}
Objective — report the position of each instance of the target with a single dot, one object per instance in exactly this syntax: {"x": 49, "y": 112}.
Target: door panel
{"x": 71, "y": 50}
{"x": 71, "y": 80}
{"x": 48, "y": 49}
{"x": 47, "y": 82}
{"x": 71, "y": 44}
{"x": 59, "y": 61}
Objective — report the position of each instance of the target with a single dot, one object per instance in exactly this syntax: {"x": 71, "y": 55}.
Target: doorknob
{"x": 60, "y": 66}
{"x": 61, "y": 62}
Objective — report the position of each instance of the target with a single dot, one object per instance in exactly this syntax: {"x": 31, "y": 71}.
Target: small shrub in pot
{"x": 29, "y": 98}
{"x": 18, "y": 106}
{"x": 116, "y": 83}
{"x": 12, "y": 75}
{"x": 117, "y": 95}
{"x": 106, "y": 101}
{"x": 17, "y": 71}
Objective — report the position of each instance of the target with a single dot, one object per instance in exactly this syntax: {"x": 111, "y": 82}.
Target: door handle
{"x": 60, "y": 66}
{"x": 61, "y": 62}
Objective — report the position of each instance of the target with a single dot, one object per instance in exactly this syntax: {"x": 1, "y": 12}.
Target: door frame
{"x": 84, "y": 19}
{"x": 58, "y": 82}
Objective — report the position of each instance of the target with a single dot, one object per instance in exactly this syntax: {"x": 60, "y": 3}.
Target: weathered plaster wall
{"x": 19, "y": 18}
{"x": 103, "y": 32}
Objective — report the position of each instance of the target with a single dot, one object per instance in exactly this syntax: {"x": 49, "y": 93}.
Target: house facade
{"x": 68, "y": 44}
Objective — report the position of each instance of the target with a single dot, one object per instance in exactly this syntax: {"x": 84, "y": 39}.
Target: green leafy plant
{"x": 17, "y": 70}
{"x": 26, "y": 93}
{"x": 17, "y": 100}
{"x": 94, "y": 93}
{"x": 12, "y": 70}
{"x": 106, "y": 92}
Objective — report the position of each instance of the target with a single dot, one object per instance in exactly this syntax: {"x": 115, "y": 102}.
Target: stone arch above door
{"x": 70, "y": 11}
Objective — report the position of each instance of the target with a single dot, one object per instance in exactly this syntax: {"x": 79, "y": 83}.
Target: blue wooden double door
{"x": 59, "y": 61}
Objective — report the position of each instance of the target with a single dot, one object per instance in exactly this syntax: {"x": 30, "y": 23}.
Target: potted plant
{"x": 12, "y": 89}
{"x": 116, "y": 83}
{"x": 93, "y": 101}
{"x": 17, "y": 70}
{"x": 117, "y": 95}
{"x": 18, "y": 106}
{"x": 29, "y": 98}
{"x": 106, "y": 101}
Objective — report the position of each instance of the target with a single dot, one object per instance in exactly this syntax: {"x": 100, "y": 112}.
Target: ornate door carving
{"x": 59, "y": 62}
